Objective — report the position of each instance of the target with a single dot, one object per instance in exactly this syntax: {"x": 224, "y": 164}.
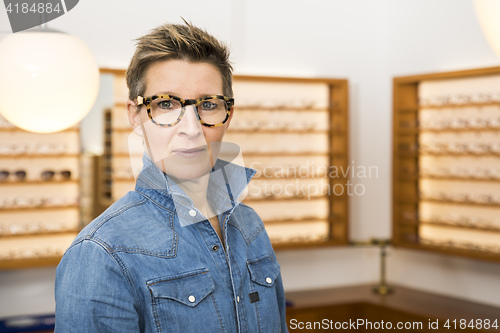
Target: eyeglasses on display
{"x": 52, "y": 175}
{"x": 18, "y": 175}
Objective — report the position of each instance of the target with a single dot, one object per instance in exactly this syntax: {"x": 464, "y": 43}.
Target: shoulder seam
{"x": 252, "y": 237}
{"x": 114, "y": 214}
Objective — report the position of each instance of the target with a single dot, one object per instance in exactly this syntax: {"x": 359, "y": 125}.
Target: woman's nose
{"x": 190, "y": 124}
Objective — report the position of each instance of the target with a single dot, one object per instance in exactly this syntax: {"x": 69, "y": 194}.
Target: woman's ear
{"x": 134, "y": 117}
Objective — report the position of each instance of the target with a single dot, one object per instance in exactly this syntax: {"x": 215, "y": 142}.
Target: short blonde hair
{"x": 176, "y": 41}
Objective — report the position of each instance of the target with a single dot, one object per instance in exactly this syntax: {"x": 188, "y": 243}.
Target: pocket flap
{"x": 264, "y": 270}
{"x": 188, "y": 288}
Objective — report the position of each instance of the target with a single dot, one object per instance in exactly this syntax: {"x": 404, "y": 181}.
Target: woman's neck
{"x": 197, "y": 190}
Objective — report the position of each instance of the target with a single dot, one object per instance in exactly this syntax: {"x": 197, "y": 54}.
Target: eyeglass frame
{"x": 49, "y": 175}
{"x": 186, "y": 102}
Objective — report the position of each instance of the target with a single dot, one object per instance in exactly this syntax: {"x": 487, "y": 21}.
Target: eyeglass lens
{"x": 4, "y": 175}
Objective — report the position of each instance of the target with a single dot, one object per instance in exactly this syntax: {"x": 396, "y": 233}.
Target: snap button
{"x": 238, "y": 299}
{"x": 192, "y": 212}
{"x": 215, "y": 247}
{"x": 191, "y": 299}
{"x": 268, "y": 280}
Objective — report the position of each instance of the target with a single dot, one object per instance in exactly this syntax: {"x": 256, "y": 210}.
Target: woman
{"x": 180, "y": 253}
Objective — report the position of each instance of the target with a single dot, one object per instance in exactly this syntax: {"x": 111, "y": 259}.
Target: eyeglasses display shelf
{"x": 446, "y": 163}
{"x": 39, "y": 195}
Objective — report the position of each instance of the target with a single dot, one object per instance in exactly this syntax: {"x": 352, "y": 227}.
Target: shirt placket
{"x": 216, "y": 243}
{"x": 235, "y": 281}
{"x": 216, "y": 247}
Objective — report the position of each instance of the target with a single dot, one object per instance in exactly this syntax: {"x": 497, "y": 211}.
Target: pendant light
{"x": 49, "y": 80}
{"x": 488, "y": 15}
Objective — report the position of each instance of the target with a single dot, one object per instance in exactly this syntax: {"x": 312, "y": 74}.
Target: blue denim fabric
{"x": 137, "y": 269}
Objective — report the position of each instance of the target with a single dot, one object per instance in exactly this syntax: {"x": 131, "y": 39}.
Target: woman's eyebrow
{"x": 166, "y": 93}
{"x": 170, "y": 93}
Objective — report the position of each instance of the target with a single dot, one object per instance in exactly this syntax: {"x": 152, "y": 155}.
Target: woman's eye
{"x": 165, "y": 105}
{"x": 207, "y": 105}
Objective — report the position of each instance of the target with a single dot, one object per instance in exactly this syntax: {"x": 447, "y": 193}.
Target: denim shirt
{"x": 137, "y": 268}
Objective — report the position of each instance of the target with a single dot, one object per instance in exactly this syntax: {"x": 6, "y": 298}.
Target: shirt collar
{"x": 227, "y": 181}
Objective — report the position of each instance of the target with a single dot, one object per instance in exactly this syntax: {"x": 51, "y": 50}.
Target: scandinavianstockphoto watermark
{"x": 310, "y": 180}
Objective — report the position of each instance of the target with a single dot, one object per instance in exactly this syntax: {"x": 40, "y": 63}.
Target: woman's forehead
{"x": 183, "y": 79}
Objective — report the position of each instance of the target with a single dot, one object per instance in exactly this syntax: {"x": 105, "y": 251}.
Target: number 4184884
{"x": 471, "y": 324}
{"x": 34, "y": 8}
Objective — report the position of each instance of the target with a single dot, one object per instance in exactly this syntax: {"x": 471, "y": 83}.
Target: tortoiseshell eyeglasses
{"x": 167, "y": 110}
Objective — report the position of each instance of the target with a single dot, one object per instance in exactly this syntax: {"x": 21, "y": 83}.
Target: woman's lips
{"x": 189, "y": 153}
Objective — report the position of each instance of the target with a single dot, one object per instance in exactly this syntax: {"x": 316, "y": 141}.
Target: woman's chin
{"x": 188, "y": 168}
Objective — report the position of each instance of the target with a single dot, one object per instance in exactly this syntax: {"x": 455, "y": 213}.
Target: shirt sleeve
{"x": 93, "y": 292}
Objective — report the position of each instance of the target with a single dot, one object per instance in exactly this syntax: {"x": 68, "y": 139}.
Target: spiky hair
{"x": 182, "y": 42}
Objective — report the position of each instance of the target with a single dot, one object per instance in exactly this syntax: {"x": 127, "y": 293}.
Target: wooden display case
{"x": 293, "y": 131}
{"x": 39, "y": 195}
{"x": 446, "y": 163}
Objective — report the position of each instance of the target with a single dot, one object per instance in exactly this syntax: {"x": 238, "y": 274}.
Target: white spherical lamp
{"x": 488, "y": 15}
{"x": 48, "y": 80}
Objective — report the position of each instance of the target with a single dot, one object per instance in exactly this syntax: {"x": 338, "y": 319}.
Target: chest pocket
{"x": 188, "y": 288}
{"x": 178, "y": 300}
{"x": 264, "y": 270}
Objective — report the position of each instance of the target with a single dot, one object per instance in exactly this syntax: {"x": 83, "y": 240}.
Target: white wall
{"x": 369, "y": 42}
